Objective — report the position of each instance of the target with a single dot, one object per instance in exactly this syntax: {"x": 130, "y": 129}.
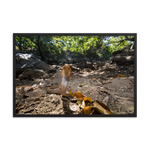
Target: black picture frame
{"x": 72, "y": 33}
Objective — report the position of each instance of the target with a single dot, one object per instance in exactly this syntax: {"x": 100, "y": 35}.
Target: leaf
{"x": 31, "y": 89}
{"x": 87, "y": 110}
{"x": 105, "y": 100}
{"x": 83, "y": 104}
{"x": 101, "y": 108}
{"x": 99, "y": 82}
{"x": 78, "y": 95}
{"x": 29, "y": 86}
{"x": 81, "y": 85}
{"x": 129, "y": 87}
{"x": 81, "y": 72}
{"x": 88, "y": 99}
{"x": 71, "y": 89}
{"x": 104, "y": 82}
{"x": 71, "y": 94}
{"x": 121, "y": 75}
{"x": 79, "y": 102}
{"x": 115, "y": 75}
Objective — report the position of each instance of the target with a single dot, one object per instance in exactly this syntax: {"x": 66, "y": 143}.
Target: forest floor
{"x": 113, "y": 87}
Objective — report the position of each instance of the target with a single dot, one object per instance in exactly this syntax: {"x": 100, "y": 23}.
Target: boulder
{"x": 123, "y": 57}
{"x": 26, "y": 61}
{"x": 32, "y": 73}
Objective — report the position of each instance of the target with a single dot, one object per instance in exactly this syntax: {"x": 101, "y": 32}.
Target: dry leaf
{"x": 83, "y": 104}
{"x": 81, "y": 85}
{"x": 129, "y": 87}
{"x": 71, "y": 89}
{"x": 81, "y": 72}
{"x": 87, "y": 99}
{"x": 101, "y": 88}
{"x": 78, "y": 95}
{"x": 34, "y": 85}
{"x": 105, "y": 82}
{"x": 71, "y": 94}
{"x": 94, "y": 78}
{"x": 79, "y": 102}
{"x": 105, "y": 100}
{"x": 99, "y": 82}
{"x": 121, "y": 75}
{"x": 101, "y": 108}
{"x": 115, "y": 75}
{"x": 131, "y": 77}
{"x": 29, "y": 86}
{"x": 87, "y": 110}
{"x": 31, "y": 89}
{"x": 86, "y": 102}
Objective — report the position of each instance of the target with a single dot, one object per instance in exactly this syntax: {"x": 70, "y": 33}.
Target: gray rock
{"x": 26, "y": 61}
{"x": 32, "y": 73}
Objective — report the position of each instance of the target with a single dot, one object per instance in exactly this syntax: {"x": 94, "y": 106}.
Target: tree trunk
{"x": 39, "y": 48}
{"x": 20, "y": 44}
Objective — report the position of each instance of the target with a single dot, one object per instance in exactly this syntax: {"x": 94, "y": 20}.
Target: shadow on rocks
{"x": 66, "y": 107}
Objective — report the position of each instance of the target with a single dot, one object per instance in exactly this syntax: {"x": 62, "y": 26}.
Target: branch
{"x": 121, "y": 50}
{"x": 127, "y": 46}
{"x": 132, "y": 46}
{"x": 126, "y": 39}
{"x": 33, "y": 41}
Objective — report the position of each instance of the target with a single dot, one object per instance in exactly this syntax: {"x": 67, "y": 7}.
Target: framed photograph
{"x": 75, "y": 75}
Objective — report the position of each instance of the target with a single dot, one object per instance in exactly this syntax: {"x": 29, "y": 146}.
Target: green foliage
{"x": 48, "y": 44}
{"x": 93, "y": 47}
{"x": 115, "y": 43}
